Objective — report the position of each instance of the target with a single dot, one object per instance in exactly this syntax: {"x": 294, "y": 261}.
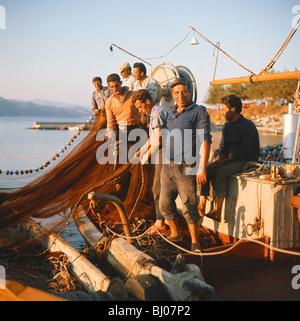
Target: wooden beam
{"x": 257, "y": 78}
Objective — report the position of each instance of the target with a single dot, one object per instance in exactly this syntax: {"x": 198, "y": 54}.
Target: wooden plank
{"x": 257, "y": 78}
{"x": 15, "y": 291}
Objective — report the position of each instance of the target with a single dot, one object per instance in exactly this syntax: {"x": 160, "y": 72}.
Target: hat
{"x": 124, "y": 65}
{"x": 179, "y": 81}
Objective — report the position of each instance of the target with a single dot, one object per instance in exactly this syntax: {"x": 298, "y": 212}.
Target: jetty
{"x": 55, "y": 125}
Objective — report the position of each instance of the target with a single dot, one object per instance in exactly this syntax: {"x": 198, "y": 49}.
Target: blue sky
{"x": 51, "y": 49}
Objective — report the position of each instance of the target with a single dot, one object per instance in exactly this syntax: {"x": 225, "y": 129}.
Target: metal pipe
{"x": 120, "y": 207}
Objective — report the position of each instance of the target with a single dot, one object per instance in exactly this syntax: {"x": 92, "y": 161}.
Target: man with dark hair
{"x": 239, "y": 145}
{"x": 143, "y": 81}
{"x": 186, "y": 161}
{"x": 99, "y": 96}
{"x": 153, "y": 148}
{"x": 122, "y": 115}
{"x": 119, "y": 107}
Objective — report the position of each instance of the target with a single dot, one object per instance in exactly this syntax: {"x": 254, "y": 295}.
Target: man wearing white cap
{"x": 125, "y": 71}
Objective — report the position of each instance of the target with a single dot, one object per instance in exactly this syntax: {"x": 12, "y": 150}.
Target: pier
{"x": 56, "y": 125}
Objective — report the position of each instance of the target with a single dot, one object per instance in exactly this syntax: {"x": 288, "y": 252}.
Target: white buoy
{"x": 290, "y": 122}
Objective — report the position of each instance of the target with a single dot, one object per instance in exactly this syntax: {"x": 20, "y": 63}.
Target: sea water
{"x": 22, "y": 148}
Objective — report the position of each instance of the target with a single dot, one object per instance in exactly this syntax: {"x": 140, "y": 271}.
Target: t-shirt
{"x": 149, "y": 84}
{"x": 158, "y": 119}
{"x": 130, "y": 80}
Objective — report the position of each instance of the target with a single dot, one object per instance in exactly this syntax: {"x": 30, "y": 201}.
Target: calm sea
{"x": 22, "y": 148}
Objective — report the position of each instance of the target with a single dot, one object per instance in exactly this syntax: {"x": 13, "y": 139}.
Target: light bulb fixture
{"x": 194, "y": 41}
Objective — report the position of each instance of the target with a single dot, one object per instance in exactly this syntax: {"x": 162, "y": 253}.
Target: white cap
{"x": 124, "y": 65}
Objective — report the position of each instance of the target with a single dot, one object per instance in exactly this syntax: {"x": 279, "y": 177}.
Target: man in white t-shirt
{"x": 143, "y": 81}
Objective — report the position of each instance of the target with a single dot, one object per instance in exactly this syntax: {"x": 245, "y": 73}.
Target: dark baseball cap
{"x": 179, "y": 81}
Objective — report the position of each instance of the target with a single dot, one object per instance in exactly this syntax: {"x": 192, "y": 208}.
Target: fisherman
{"x": 179, "y": 174}
{"x": 239, "y": 145}
{"x": 125, "y": 71}
{"x": 144, "y": 82}
{"x": 122, "y": 115}
{"x": 99, "y": 96}
{"x": 153, "y": 148}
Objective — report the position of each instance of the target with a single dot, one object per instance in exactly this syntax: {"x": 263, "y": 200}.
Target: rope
{"x": 218, "y": 47}
{"x": 271, "y": 62}
{"x": 144, "y": 59}
{"x": 232, "y": 247}
{"x": 214, "y": 253}
{"x": 9, "y": 173}
{"x": 140, "y": 192}
{"x": 62, "y": 265}
{"x": 171, "y": 49}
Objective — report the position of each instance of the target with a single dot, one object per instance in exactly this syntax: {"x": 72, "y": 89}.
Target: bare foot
{"x": 201, "y": 206}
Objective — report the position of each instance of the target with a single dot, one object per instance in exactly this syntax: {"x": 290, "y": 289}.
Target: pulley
{"x": 164, "y": 74}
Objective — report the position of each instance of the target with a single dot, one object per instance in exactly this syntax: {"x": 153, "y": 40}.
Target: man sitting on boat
{"x": 239, "y": 145}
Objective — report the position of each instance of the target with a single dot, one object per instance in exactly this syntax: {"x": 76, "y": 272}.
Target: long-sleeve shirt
{"x": 121, "y": 112}
{"x": 99, "y": 99}
{"x": 240, "y": 140}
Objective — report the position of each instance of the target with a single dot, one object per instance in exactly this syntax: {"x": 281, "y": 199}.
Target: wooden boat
{"x": 183, "y": 281}
{"x": 250, "y": 237}
{"x": 228, "y": 254}
{"x": 94, "y": 283}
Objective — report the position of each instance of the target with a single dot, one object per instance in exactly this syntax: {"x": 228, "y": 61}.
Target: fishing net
{"x": 57, "y": 193}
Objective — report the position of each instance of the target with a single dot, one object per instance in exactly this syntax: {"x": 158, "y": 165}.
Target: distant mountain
{"x": 56, "y": 103}
{"x": 21, "y": 108}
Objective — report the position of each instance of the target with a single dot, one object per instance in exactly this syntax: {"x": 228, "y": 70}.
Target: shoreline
{"x": 268, "y": 119}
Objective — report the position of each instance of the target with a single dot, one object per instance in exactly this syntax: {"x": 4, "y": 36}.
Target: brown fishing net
{"x": 59, "y": 191}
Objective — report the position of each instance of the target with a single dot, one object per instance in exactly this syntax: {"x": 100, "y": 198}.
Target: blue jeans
{"x": 175, "y": 182}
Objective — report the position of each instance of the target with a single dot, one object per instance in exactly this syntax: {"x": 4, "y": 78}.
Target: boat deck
{"x": 245, "y": 273}
{"x": 262, "y": 284}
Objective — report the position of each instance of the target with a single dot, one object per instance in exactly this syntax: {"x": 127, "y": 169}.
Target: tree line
{"x": 268, "y": 92}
